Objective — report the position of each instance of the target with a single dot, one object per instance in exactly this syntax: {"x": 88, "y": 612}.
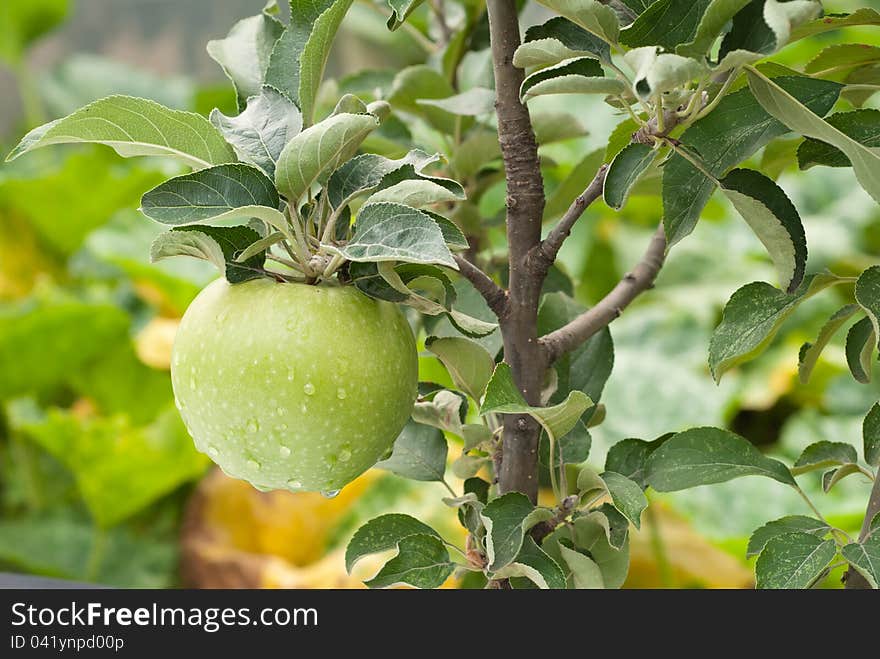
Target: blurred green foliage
{"x": 94, "y": 461}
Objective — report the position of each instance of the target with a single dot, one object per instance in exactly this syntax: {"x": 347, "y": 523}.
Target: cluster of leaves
{"x": 271, "y": 184}
{"x": 795, "y": 551}
{"x": 589, "y": 550}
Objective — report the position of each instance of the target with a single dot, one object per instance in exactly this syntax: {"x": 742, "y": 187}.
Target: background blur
{"x": 98, "y": 478}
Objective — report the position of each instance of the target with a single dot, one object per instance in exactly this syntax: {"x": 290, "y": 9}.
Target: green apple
{"x": 290, "y": 386}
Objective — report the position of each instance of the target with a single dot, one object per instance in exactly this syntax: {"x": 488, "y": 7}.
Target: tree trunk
{"x": 525, "y": 208}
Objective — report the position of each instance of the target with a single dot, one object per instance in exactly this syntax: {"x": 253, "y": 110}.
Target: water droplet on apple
{"x": 284, "y": 451}
{"x": 345, "y": 453}
{"x": 280, "y": 411}
{"x": 308, "y": 389}
{"x": 253, "y": 465}
{"x": 212, "y": 451}
{"x": 290, "y": 375}
{"x": 252, "y": 426}
{"x": 341, "y": 394}
{"x": 294, "y": 485}
{"x": 330, "y": 494}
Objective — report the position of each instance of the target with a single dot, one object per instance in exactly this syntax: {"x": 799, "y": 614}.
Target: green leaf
{"x": 312, "y": 155}
{"x": 316, "y": 52}
{"x": 583, "y": 572}
{"x": 810, "y": 352}
{"x": 135, "y": 127}
{"x": 262, "y": 245}
{"x": 468, "y": 363}
{"x": 586, "y": 368}
{"x": 665, "y": 23}
{"x": 260, "y": 133}
{"x": 421, "y": 82}
{"x": 842, "y": 56}
{"x": 442, "y": 412}
{"x": 381, "y": 534}
{"x": 782, "y": 526}
{"x": 753, "y": 316}
{"x": 591, "y": 535}
{"x": 703, "y": 456}
{"x": 395, "y": 288}
{"x": 553, "y": 127}
{"x": 571, "y": 448}
{"x": 297, "y": 63}
{"x": 864, "y": 16}
{"x": 23, "y": 21}
{"x": 422, "y": 561}
{"x": 624, "y": 173}
{"x": 400, "y": 11}
{"x": 865, "y": 558}
{"x": 42, "y": 344}
{"x": 220, "y": 246}
{"x": 534, "y": 564}
{"x": 419, "y": 454}
{"x": 871, "y": 436}
{"x": 859, "y": 348}
{"x": 502, "y": 397}
{"x": 659, "y": 73}
{"x": 735, "y": 130}
{"x": 221, "y": 195}
{"x": 779, "y": 103}
{"x": 366, "y": 172}
{"x": 774, "y": 219}
{"x": 452, "y": 235}
{"x": 504, "y": 518}
{"x": 764, "y": 27}
{"x": 863, "y": 126}
{"x": 471, "y": 103}
{"x": 416, "y": 193}
{"x": 475, "y": 435}
{"x": 593, "y": 16}
{"x": 98, "y": 450}
{"x": 820, "y": 455}
{"x": 629, "y": 456}
{"x": 833, "y": 477}
{"x": 716, "y": 17}
{"x": 556, "y": 40}
{"x": 244, "y": 53}
{"x": 393, "y": 232}
{"x": 66, "y": 544}
{"x": 578, "y": 76}
{"x": 627, "y": 496}
{"x": 793, "y": 560}
{"x": 867, "y": 294}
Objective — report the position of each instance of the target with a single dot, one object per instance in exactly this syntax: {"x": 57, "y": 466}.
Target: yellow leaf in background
{"x": 154, "y": 342}
{"x": 692, "y": 561}
{"x": 236, "y": 537}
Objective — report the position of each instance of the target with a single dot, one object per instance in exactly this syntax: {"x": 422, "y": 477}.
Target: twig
{"x": 549, "y": 248}
{"x": 495, "y": 296}
{"x": 854, "y": 580}
{"x": 640, "y": 279}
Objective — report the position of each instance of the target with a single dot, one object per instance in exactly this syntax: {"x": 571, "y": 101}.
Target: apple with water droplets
{"x": 291, "y": 386}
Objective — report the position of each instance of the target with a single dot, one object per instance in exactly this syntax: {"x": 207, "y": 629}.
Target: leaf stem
{"x": 811, "y": 505}
{"x": 734, "y": 74}
{"x": 449, "y": 488}
{"x": 696, "y": 162}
